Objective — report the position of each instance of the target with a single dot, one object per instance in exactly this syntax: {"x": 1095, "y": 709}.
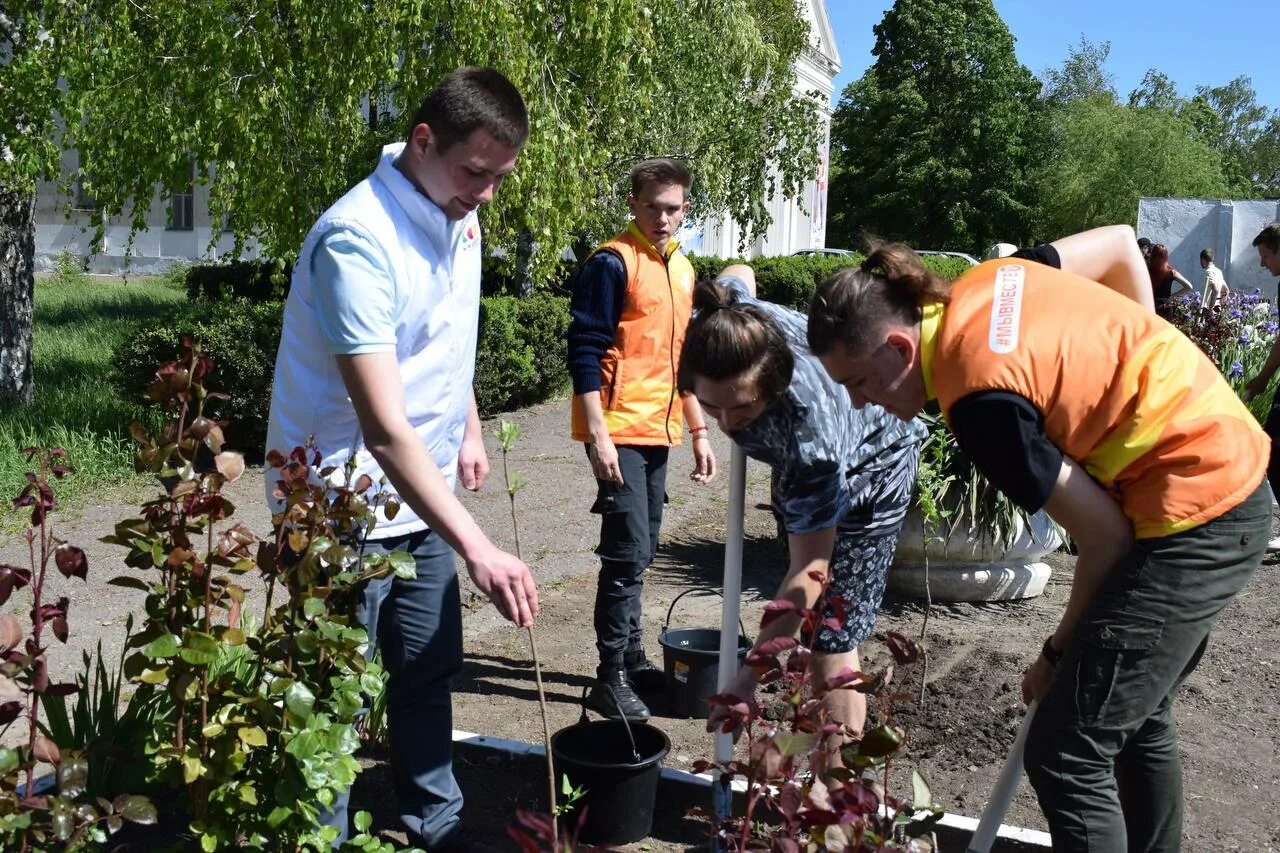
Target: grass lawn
{"x": 79, "y": 320}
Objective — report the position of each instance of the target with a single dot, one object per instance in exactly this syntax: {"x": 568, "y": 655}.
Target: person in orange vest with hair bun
{"x": 1077, "y": 399}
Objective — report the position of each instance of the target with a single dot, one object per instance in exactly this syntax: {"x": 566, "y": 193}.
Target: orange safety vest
{"x": 638, "y": 372}
{"x": 1123, "y": 393}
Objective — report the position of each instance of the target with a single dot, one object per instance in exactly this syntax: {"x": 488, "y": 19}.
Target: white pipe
{"x": 730, "y": 609}
{"x": 1006, "y": 786}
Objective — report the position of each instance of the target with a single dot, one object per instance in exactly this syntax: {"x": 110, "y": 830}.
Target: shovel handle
{"x": 1005, "y": 788}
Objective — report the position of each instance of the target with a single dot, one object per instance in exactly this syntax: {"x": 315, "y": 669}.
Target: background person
{"x": 1268, "y": 245}
{"x": 630, "y": 305}
{"x": 843, "y": 478}
{"x": 376, "y": 361}
{"x": 1163, "y": 277}
{"x": 1215, "y": 288}
{"x": 1158, "y": 483}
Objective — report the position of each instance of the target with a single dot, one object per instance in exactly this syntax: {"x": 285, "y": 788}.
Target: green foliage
{"x": 790, "y": 280}
{"x": 1083, "y": 75}
{"x": 68, "y": 271}
{"x": 264, "y": 280}
{"x": 242, "y": 335}
{"x": 1099, "y": 156}
{"x": 931, "y": 145}
{"x": 951, "y": 492}
{"x": 280, "y": 127}
{"x": 521, "y": 355}
{"x": 1105, "y": 156}
{"x": 259, "y": 726}
{"x": 78, "y": 408}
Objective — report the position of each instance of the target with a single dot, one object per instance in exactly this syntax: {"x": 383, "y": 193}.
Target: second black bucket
{"x": 618, "y": 764}
{"x": 691, "y": 662}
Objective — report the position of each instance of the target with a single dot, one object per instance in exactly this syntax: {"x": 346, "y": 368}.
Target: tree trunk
{"x": 17, "y": 289}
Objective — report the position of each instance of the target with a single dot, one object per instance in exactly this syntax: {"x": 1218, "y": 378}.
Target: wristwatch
{"x": 1051, "y": 654}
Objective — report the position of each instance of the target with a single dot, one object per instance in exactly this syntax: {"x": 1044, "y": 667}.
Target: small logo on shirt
{"x": 1006, "y": 308}
{"x": 470, "y": 234}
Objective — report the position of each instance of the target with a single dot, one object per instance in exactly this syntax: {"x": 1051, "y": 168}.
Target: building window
{"x": 182, "y": 204}
{"x": 82, "y": 192}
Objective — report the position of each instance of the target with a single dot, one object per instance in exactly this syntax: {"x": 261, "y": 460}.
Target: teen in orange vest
{"x": 631, "y": 303}
{"x": 1074, "y": 399}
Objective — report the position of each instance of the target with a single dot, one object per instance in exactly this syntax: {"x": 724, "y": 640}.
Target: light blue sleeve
{"x": 354, "y": 294}
{"x": 736, "y": 285}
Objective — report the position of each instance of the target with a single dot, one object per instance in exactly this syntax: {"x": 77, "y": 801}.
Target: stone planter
{"x": 969, "y": 568}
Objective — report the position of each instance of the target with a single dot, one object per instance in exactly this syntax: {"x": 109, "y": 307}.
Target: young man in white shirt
{"x": 376, "y": 361}
{"x": 1215, "y": 286}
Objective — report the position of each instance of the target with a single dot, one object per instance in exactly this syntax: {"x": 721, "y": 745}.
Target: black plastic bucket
{"x": 691, "y": 662}
{"x": 618, "y": 764}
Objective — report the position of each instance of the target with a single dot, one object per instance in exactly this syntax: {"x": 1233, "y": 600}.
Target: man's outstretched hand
{"x": 508, "y": 583}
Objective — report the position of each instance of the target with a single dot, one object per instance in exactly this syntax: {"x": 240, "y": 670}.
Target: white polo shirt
{"x": 383, "y": 270}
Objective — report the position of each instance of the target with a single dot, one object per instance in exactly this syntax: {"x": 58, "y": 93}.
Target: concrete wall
{"x": 1187, "y": 225}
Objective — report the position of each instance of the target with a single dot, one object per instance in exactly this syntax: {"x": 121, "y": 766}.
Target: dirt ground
{"x": 1226, "y": 712}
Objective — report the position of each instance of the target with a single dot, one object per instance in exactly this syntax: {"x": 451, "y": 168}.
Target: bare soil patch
{"x": 1226, "y": 712}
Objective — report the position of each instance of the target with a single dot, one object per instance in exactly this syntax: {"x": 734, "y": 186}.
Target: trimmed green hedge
{"x": 262, "y": 280}
{"x": 791, "y": 279}
{"x": 521, "y": 356}
{"x": 242, "y": 337}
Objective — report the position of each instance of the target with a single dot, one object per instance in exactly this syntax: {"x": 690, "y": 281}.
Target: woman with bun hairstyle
{"x": 1071, "y": 398}
{"x": 843, "y": 478}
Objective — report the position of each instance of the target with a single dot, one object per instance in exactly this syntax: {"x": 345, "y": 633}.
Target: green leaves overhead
{"x": 280, "y": 107}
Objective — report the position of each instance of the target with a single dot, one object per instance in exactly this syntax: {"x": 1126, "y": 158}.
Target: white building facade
{"x": 798, "y": 223}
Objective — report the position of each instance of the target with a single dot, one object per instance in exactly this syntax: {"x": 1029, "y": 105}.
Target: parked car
{"x": 973, "y": 262}
{"x": 844, "y": 252}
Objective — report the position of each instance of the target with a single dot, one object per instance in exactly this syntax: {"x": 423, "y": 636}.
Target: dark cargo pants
{"x": 1102, "y": 752}
{"x": 630, "y": 520}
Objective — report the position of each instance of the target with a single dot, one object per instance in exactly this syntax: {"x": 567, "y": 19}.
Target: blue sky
{"x": 1191, "y": 41}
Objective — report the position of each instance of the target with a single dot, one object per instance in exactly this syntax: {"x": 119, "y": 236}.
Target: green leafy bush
{"x": 790, "y": 280}
{"x": 242, "y": 336}
{"x": 259, "y": 729}
{"x": 544, "y": 322}
{"x": 521, "y": 357}
{"x": 264, "y": 280}
{"x": 504, "y": 363}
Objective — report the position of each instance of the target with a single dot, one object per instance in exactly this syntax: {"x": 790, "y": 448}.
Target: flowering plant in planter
{"x": 1237, "y": 337}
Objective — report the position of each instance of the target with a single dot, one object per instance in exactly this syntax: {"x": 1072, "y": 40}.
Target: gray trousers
{"x": 1102, "y": 752}
{"x": 418, "y": 626}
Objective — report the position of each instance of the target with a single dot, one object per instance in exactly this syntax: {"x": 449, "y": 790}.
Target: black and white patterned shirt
{"x": 825, "y": 453}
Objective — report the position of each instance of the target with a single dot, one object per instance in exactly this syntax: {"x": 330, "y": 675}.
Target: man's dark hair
{"x": 1206, "y": 255}
{"x": 662, "y": 171}
{"x": 1269, "y": 237}
{"x": 471, "y": 98}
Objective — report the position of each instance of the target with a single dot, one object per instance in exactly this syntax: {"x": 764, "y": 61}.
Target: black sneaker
{"x": 612, "y": 697}
{"x": 644, "y": 676}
